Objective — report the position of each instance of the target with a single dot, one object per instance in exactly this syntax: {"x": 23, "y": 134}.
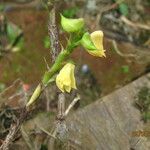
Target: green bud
{"x": 87, "y": 43}
{"x": 35, "y": 95}
{"x": 72, "y": 25}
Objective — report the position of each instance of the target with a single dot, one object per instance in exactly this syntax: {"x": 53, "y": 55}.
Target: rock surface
{"x": 111, "y": 122}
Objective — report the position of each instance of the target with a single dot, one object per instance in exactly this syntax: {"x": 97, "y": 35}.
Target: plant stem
{"x": 56, "y": 66}
{"x": 53, "y": 33}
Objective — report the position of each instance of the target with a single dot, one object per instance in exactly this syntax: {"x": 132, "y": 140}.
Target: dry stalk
{"x": 120, "y": 53}
{"x": 9, "y": 137}
{"x": 13, "y": 130}
{"x": 76, "y": 99}
{"x": 134, "y": 25}
{"x": 27, "y": 139}
{"x": 60, "y": 131}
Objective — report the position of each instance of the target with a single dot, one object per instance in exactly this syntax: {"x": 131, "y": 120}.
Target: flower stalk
{"x": 65, "y": 80}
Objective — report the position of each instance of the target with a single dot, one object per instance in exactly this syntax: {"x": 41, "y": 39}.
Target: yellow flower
{"x": 93, "y": 43}
{"x": 97, "y": 39}
{"x": 65, "y": 80}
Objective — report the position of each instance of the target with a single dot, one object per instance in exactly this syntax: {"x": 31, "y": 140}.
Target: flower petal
{"x": 99, "y": 53}
{"x": 65, "y": 80}
{"x": 73, "y": 82}
{"x": 67, "y": 88}
{"x": 97, "y": 39}
{"x": 59, "y": 83}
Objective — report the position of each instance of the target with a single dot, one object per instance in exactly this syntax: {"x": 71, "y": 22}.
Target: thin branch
{"x": 13, "y": 130}
{"x": 119, "y": 52}
{"x": 76, "y": 99}
{"x": 45, "y": 131}
{"x": 27, "y": 139}
{"x": 61, "y": 106}
{"x": 9, "y": 137}
{"x": 134, "y": 25}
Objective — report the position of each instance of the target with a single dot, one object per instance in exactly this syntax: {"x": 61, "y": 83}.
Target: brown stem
{"x": 53, "y": 33}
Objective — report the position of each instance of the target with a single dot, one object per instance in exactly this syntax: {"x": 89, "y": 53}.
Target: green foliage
{"x": 46, "y": 42}
{"x": 43, "y": 147}
{"x": 71, "y": 12}
{"x": 125, "y": 69}
{"x": 13, "y": 33}
{"x": 123, "y": 8}
{"x": 20, "y": 44}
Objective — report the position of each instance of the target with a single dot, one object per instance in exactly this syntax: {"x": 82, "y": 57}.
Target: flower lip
{"x": 97, "y": 39}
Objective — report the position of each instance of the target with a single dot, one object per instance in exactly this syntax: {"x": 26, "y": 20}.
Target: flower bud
{"x": 35, "y": 95}
{"x": 72, "y": 25}
{"x": 93, "y": 43}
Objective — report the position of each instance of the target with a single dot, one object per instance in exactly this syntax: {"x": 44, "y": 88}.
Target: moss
{"x": 143, "y": 102}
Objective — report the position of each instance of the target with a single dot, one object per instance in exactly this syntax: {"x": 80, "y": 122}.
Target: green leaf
{"x": 12, "y": 31}
{"x": 20, "y": 43}
{"x": 125, "y": 69}
{"x": 71, "y": 12}
{"x": 123, "y": 8}
{"x": 46, "y": 42}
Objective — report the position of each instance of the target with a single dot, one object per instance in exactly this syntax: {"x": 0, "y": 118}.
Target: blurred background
{"x": 25, "y": 46}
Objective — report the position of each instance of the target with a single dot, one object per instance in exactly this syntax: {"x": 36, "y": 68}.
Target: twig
{"x": 105, "y": 9}
{"x": 61, "y": 106}
{"x": 13, "y": 130}
{"x": 11, "y": 86}
{"x": 60, "y": 119}
{"x": 45, "y": 131}
{"x": 76, "y": 99}
{"x": 27, "y": 139}
{"x": 133, "y": 24}
{"x": 61, "y": 127}
{"x": 119, "y": 52}
{"x": 9, "y": 137}
{"x": 113, "y": 6}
